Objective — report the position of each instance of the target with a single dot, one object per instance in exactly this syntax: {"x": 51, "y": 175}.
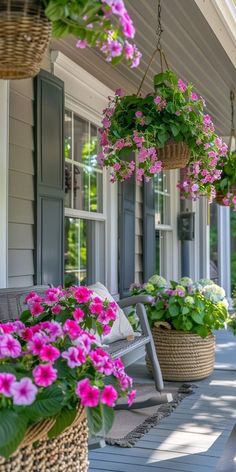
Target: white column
{"x": 4, "y": 149}
{"x": 223, "y": 231}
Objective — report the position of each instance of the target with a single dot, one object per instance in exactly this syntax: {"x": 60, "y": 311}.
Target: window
{"x": 163, "y": 226}
{"x": 84, "y": 203}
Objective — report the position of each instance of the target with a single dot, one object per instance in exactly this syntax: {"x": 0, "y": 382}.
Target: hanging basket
{"x": 67, "y": 452}
{"x": 24, "y": 37}
{"x": 220, "y": 195}
{"x": 183, "y": 356}
{"x": 174, "y": 155}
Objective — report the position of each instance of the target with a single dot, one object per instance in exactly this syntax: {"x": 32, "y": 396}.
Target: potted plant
{"x": 226, "y": 186}
{"x": 167, "y": 128}
{"x": 105, "y": 24}
{"x": 182, "y": 318}
{"x": 54, "y": 377}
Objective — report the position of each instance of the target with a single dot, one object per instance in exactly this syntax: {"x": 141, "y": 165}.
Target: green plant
{"x": 173, "y": 112}
{"x": 103, "y": 24}
{"x": 227, "y": 184}
{"x": 198, "y": 308}
{"x": 51, "y": 363}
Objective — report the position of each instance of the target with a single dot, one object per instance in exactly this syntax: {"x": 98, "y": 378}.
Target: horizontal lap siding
{"x": 21, "y": 185}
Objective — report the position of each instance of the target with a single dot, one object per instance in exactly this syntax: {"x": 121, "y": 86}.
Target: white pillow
{"x": 121, "y": 328}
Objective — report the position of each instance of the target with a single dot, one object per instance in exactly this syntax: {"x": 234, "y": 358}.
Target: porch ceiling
{"x": 191, "y": 47}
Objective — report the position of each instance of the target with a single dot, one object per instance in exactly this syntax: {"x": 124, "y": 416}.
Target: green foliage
{"x": 12, "y": 431}
{"x": 196, "y": 308}
{"x": 228, "y": 176}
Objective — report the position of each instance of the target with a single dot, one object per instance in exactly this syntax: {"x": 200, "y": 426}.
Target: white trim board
{"x": 221, "y": 16}
{"x": 4, "y": 146}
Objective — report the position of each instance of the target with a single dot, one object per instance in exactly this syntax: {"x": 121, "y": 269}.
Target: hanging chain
{"x": 159, "y": 29}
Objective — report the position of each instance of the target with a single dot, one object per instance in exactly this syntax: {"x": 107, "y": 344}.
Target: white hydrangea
{"x": 186, "y": 281}
{"x": 158, "y": 281}
{"x": 214, "y": 292}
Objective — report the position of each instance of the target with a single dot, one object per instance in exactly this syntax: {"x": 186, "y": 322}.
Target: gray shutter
{"x": 126, "y": 234}
{"x": 149, "y": 235}
{"x": 49, "y": 158}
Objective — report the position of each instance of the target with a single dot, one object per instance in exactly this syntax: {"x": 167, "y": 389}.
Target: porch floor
{"x": 193, "y": 437}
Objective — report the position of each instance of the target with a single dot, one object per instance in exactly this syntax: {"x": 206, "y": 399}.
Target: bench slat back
{"x": 12, "y": 301}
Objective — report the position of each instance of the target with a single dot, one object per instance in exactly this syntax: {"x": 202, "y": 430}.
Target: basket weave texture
{"x": 183, "y": 356}
{"x": 174, "y": 155}
{"x": 24, "y": 37}
{"x": 66, "y": 453}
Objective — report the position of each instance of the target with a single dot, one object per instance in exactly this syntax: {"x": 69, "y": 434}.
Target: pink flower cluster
{"x": 230, "y": 200}
{"x": 36, "y": 346}
{"x": 114, "y": 42}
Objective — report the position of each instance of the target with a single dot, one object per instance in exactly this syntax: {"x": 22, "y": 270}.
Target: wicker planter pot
{"x": 66, "y": 453}
{"x": 174, "y": 155}
{"x": 183, "y": 356}
{"x": 24, "y": 37}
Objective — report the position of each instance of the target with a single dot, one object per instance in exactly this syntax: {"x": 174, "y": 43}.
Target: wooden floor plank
{"x": 193, "y": 437}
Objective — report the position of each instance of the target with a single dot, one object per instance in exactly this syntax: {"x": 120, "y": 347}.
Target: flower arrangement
{"x": 173, "y": 112}
{"x": 198, "y": 308}
{"x": 105, "y": 24}
{"x": 51, "y": 362}
{"x": 226, "y": 186}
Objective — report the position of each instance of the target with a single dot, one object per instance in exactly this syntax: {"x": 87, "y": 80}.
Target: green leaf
{"x": 202, "y": 331}
{"x": 174, "y": 130}
{"x": 185, "y": 310}
{"x": 63, "y": 420}
{"x": 25, "y": 316}
{"x": 174, "y": 310}
{"x": 12, "y": 431}
{"x": 198, "y": 317}
{"x": 54, "y": 11}
{"x": 48, "y": 403}
{"x": 100, "y": 419}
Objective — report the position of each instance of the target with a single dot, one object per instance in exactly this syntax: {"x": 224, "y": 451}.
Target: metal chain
{"x": 159, "y": 29}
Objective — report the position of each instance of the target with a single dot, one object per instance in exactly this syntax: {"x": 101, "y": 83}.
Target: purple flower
{"x": 23, "y": 392}
{"x": 81, "y": 43}
{"x": 9, "y": 347}
{"x": 182, "y": 86}
{"x": 115, "y": 48}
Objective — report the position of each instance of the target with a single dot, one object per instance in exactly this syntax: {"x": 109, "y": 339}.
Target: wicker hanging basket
{"x": 174, "y": 155}
{"x": 220, "y": 195}
{"x": 67, "y": 452}
{"x": 24, "y": 37}
{"x": 183, "y": 356}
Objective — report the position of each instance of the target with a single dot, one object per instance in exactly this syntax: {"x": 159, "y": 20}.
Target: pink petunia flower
{"x": 81, "y": 43}
{"x": 75, "y": 356}
{"x": 49, "y": 353}
{"x": 56, "y": 309}
{"x": 131, "y": 396}
{"x": 44, "y": 375}
{"x": 9, "y": 346}
{"x": 72, "y": 329}
{"x": 88, "y": 394}
{"x": 23, "y": 392}
{"x": 82, "y": 294}
{"x": 109, "y": 396}
{"x": 37, "y": 342}
{"x": 78, "y": 314}
{"x": 182, "y": 86}
{"x": 6, "y": 381}
{"x": 194, "y": 96}
{"x": 36, "y": 309}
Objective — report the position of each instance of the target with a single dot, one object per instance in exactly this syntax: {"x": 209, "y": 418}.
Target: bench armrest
{"x": 134, "y": 300}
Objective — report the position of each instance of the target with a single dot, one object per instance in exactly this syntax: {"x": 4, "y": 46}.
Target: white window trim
{"x": 87, "y": 96}
{"x": 4, "y": 141}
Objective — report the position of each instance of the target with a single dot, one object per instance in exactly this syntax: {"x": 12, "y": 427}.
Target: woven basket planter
{"x": 183, "y": 356}
{"x": 66, "y": 453}
{"x": 24, "y": 37}
{"x": 174, "y": 155}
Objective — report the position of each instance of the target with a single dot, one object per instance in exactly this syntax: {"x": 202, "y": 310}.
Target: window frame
{"x": 4, "y": 139}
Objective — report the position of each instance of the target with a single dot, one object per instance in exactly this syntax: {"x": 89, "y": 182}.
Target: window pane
{"x": 68, "y": 184}
{"x": 162, "y": 199}
{"x": 95, "y": 192}
{"x": 81, "y": 140}
{"x": 93, "y": 146}
{"x": 81, "y": 188}
{"x": 68, "y": 134}
{"x": 84, "y": 251}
